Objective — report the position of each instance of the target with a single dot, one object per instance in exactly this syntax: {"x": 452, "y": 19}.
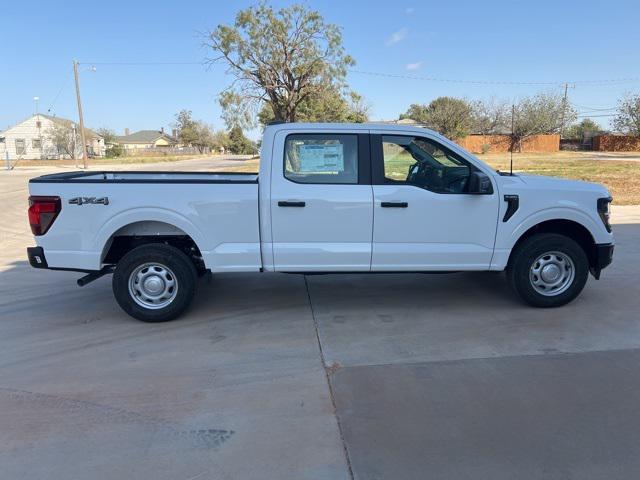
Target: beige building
{"x": 33, "y": 139}
{"x": 146, "y": 139}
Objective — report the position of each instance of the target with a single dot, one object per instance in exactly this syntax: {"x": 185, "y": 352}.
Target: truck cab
{"x": 328, "y": 198}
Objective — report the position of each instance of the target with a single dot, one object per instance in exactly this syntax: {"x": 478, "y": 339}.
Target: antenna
{"x": 513, "y": 113}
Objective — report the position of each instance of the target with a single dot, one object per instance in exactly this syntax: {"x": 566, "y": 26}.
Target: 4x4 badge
{"x": 89, "y": 200}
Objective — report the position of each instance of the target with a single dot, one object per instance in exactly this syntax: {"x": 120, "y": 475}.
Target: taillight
{"x": 42, "y": 213}
{"x": 603, "y": 211}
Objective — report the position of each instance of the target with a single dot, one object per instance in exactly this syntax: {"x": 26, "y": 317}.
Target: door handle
{"x": 394, "y": 204}
{"x": 291, "y": 204}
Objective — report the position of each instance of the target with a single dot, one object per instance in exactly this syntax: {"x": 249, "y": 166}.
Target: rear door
{"x": 321, "y": 201}
{"x": 424, "y": 219}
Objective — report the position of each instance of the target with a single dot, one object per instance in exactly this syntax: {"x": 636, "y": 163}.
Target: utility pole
{"x": 80, "y": 116}
{"x": 564, "y": 108}
{"x": 75, "y": 145}
{"x": 513, "y": 114}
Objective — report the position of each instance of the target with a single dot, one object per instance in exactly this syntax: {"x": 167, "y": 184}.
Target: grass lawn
{"x": 250, "y": 166}
{"x": 622, "y": 178}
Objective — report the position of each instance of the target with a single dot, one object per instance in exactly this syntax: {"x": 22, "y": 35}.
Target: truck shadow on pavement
{"x": 54, "y": 294}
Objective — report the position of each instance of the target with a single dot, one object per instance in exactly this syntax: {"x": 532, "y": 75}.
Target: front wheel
{"x": 548, "y": 270}
{"x": 154, "y": 283}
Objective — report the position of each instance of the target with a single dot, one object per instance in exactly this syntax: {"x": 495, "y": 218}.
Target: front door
{"x": 423, "y": 217}
{"x": 321, "y": 202}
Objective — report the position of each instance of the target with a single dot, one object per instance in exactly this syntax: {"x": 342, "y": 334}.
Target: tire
{"x": 154, "y": 283}
{"x": 548, "y": 270}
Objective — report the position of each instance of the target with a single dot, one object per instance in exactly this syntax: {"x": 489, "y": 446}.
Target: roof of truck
{"x": 348, "y": 126}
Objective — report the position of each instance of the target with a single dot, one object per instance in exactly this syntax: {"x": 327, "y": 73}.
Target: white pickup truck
{"x": 328, "y": 198}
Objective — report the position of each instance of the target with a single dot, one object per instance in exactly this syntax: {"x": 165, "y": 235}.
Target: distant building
{"x": 31, "y": 139}
{"x": 146, "y": 139}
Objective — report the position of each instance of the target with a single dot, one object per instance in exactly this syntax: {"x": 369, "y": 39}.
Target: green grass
{"x": 622, "y": 178}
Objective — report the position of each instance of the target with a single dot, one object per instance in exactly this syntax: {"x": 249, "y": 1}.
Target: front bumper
{"x": 602, "y": 257}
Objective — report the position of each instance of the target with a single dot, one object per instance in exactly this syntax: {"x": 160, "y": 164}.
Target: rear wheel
{"x": 154, "y": 283}
{"x": 548, "y": 270}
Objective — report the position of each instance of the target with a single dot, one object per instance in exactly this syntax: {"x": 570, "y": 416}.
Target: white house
{"x": 147, "y": 139}
{"x": 32, "y": 139}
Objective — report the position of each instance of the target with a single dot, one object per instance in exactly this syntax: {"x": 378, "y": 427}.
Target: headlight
{"x": 603, "y": 211}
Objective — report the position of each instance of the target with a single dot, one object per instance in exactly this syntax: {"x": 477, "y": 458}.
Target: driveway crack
{"x": 327, "y": 372}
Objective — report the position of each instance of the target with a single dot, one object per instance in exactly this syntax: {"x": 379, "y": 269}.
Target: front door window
{"x": 423, "y": 163}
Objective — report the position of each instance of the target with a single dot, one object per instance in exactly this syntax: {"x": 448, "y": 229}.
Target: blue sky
{"x": 509, "y": 41}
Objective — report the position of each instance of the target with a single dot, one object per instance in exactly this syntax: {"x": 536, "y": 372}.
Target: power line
{"x": 409, "y": 77}
{"x": 452, "y": 80}
{"x": 55, "y": 99}
{"x": 499, "y": 82}
{"x": 141, "y": 63}
{"x": 600, "y": 115}
{"x": 595, "y": 109}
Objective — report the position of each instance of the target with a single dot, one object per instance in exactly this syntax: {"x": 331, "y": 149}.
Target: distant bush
{"x": 114, "y": 151}
{"x": 484, "y": 148}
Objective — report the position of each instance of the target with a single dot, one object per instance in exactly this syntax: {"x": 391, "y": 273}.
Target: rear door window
{"x": 321, "y": 158}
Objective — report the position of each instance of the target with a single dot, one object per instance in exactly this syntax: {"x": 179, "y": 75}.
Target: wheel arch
{"x": 562, "y": 226}
{"x": 123, "y": 236}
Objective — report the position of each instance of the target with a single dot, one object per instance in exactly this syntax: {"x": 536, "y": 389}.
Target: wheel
{"x": 548, "y": 270}
{"x": 154, "y": 283}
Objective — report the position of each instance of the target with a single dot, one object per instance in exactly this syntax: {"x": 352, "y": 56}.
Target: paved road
{"x": 432, "y": 376}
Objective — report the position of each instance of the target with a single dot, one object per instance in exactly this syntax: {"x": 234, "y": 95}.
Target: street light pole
{"x": 80, "y": 116}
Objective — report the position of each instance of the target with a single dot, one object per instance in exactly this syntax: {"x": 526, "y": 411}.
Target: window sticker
{"x": 321, "y": 158}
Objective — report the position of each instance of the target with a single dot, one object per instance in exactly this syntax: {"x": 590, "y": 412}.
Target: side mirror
{"x": 480, "y": 184}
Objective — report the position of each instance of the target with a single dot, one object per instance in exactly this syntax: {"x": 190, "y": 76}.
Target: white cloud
{"x": 413, "y": 66}
{"x": 409, "y": 10}
{"x": 397, "y": 37}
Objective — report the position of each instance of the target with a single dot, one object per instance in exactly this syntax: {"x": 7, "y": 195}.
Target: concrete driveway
{"x": 325, "y": 377}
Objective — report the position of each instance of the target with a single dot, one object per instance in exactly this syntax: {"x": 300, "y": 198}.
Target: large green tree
{"x": 194, "y": 133}
{"x": 578, "y": 131}
{"x": 65, "y": 137}
{"x": 490, "y": 117}
{"x": 239, "y": 144}
{"x": 628, "y": 118}
{"x": 289, "y": 58}
{"x": 541, "y": 114}
{"x": 329, "y": 105}
{"x": 107, "y": 134}
{"x": 449, "y": 116}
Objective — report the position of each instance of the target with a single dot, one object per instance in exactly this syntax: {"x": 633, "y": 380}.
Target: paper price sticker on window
{"x": 322, "y": 158}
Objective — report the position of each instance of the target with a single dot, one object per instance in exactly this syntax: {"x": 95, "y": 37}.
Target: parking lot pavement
{"x": 234, "y": 390}
{"x": 432, "y": 376}
{"x": 448, "y": 376}
{"x": 525, "y": 417}
{"x": 370, "y": 320}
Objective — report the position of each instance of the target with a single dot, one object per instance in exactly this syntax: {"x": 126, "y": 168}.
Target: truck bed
{"x": 218, "y": 211}
{"x": 147, "y": 177}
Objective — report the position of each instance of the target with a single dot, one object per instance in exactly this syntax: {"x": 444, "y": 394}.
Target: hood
{"x": 557, "y": 183}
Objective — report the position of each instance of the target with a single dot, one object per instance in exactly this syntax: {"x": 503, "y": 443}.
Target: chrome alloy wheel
{"x": 153, "y": 286}
{"x": 552, "y": 273}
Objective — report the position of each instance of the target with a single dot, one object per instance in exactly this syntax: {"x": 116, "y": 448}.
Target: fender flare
{"x": 553, "y": 213}
{"x": 127, "y": 217}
